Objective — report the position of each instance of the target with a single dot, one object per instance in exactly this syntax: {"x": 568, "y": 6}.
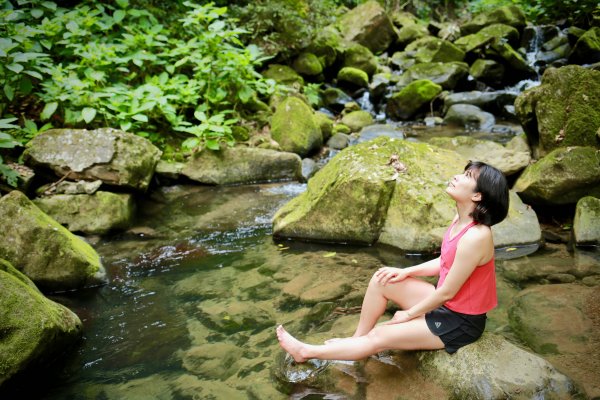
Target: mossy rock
{"x": 587, "y": 48}
{"x": 409, "y": 33}
{"x": 327, "y": 46}
{"x": 488, "y": 71}
{"x": 369, "y": 25}
{"x": 294, "y": 128}
{"x": 35, "y": 329}
{"x": 283, "y": 74}
{"x": 356, "y": 120}
{"x": 563, "y": 111}
{"x": 586, "y": 224}
{"x": 325, "y": 123}
{"x": 513, "y": 61}
{"x": 44, "y": 250}
{"x": 447, "y": 75}
{"x": 562, "y": 177}
{"x": 360, "y": 57}
{"x": 430, "y": 49}
{"x": 419, "y": 93}
{"x": 353, "y": 76}
{"x": 486, "y": 36}
{"x": 341, "y": 128}
{"x": 307, "y": 64}
{"x": 95, "y": 214}
{"x": 509, "y": 15}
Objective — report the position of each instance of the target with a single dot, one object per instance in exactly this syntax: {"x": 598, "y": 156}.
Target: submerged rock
{"x": 35, "y": 329}
{"x": 586, "y": 224}
{"x": 45, "y": 251}
{"x": 294, "y": 128}
{"x": 110, "y": 155}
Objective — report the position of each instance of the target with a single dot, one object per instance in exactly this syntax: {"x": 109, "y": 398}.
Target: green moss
{"x": 307, "y": 64}
{"x": 509, "y": 15}
{"x": 353, "y": 76}
{"x": 587, "y": 48}
{"x": 294, "y": 128}
{"x": 283, "y": 74}
{"x": 409, "y": 100}
{"x": 325, "y": 124}
{"x": 487, "y": 70}
{"x": 430, "y": 49}
{"x": 356, "y": 120}
{"x": 486, "y": 36}
{"x": 447, "y": 75}
{"x": 360, "y": 57}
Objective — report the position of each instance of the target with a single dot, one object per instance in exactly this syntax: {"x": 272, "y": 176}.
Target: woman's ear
{"x": 476, "y": 196}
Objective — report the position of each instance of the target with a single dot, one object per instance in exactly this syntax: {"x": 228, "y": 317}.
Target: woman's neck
{"x": 465, "y": 212}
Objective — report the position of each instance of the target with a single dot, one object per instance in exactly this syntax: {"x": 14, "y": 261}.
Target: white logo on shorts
{"x": 438, "y": 324}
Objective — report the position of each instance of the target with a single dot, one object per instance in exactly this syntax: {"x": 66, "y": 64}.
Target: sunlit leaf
{"x": 119, "y": 15}
{"x": 9, "y": 91}
{"x": 48, "y": 110}
{"x": 123, "y": 3}
{"x": 37, "y": 13}
{"x": 140, "y": 117}
{"x": 333, "y": 253}
{"x": 88, "y": 114}
{"x": 16, "y": 68}
{"x": 125, "y": 125}
{"x": 212, "y": 145}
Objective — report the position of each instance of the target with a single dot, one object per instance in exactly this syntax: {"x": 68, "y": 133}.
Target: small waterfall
{"x": 534, "y": 47}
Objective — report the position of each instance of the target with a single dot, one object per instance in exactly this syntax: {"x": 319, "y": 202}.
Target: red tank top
{"x": 478, "y": 294}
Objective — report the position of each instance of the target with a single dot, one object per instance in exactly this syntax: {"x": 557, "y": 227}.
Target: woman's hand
{"x": 385, "y": 275}
{"x": 399, "y": 317}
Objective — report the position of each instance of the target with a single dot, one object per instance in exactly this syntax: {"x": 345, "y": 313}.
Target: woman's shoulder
{"x": 477, "y": 234}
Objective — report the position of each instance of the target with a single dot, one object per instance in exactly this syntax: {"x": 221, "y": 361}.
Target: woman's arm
{"x": 387, "y": 275}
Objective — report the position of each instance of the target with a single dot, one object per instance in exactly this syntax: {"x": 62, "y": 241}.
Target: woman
{"x": 448, "y": 316}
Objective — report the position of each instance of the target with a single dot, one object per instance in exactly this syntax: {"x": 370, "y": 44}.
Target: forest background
{"x": 184, "y": 74}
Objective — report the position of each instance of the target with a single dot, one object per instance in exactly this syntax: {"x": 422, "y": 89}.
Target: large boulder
{"x": 327, "y": 45}
{"x": 469, "y": 116}
{"x": 283, "y": 74}
{"x": 493, "y": 102}
{"x": 360, "y": 57}
{"x": 411, "y": 32}
{"x": 44, "y": 250}
{"x": 447, "y": 75}
{"x": 586, "y": 224}
{"x": 431, "y": 49}
{"x": 307, "y": 64}
{"x": 294, "y": 128}
{"x": 369, "y": 25}
{"x": 242, "y": 165}
{"x": 487, "y": 71}
{"x": 563, "y": 111}
{"x": 517, "y": 67}
{"x": 587, "y": 47}
{"x": 113, "y": 156}
{"x": 562, "y": 177}
{"x": 35, "y": 330}
{"x": 409, "y": 100}
{"x": 356, "y": 120}
{"x": 95, "y": 214}
{"x": 350, "y": 76}
{"x": 486, "y": 36}
{"x": 521, "y": 226}
{"x": 493, "y": 368}
{"x": 508, "y": 15}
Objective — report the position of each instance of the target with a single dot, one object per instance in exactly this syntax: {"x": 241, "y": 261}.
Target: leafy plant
{"x": 7, "y": 142}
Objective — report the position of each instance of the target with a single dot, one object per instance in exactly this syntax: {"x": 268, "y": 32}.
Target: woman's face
{"x": 462, "y": 187}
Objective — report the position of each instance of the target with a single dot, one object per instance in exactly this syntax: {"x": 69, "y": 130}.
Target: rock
{"x": 411, "y": 32}
{"x": 509, "y": 15}
{"x": 213, "y": 360}
{"x": 307, "y": 64}
{"x": 309, "y": 168}
{"x": 487, "y": 71}
{"x": 341, "y": 128}
{"x": 563, "y": 111}
{"x": 419, "y": 93}
{"x": 242, "y": 165}
{"x": 587, "y": 48}
{"x": 356, "y": 120}
{"x": 518, "y": 68}
{"x": 168, "y": 169}
{"x": 493, "y": 368}
{"x": 379, "y": 85}
{"x": 35, "y": 329}
{"x": 338, "y": 141}
{"x": 506, "y": 160}
{"x": 430, "y": 49}
{"x": 562, "y": 177}
{"x": 486, "y": 36}
{"x": 369, "y": 25}
{"x": 45, "y": 251}
{"x": 377, "y": 130}
{"x": 447, "y": 75}
{"x": 325, "y": 123}
{"x": 335, "y": 99}
{"x": 92, "y": 214}
{"x": 294, "y": 128}
{"x": 469, "y": 116}
{"x": 360, "y": 57}
{"x": 230, "y": 317}
{"x": 586, "y": 224}
{"x": 327, "y": 45}
{"x": 283, "y": 74}
{"x": 67, "y": 187}
{"x": 113, "y": 156}
{"x": 521, "y": 226}
{"x": 493, "y": 102}
{"x": 537, "y": 317}
{"x": 353, "y": 76}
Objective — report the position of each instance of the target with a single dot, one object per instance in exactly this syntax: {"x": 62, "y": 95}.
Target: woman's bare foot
{"x": 290, "y": 344}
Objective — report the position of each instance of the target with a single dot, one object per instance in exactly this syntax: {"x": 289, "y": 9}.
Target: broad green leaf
{"x": 200, "y": 116}
{"x": 212, "y": 145}
{"x": 35, "y": 74}
{"x": 48, "y": 110}
{"x": 49, "y": 5}
{"x": 88, "y": 114}
{"x": 9, "y": 174}
{"x": 16, "y": 68}
{"x": 9, "y": 91}
{"x": 72, "y": 26}
{"x": 30, "y": 126}
{"x": 7, "y": 123}
{"x": 333, "y": 253}
{"x": 37, "y": 13}
{"x": 245, "y": 93}
{"x": 125, "y": 125}
{"x": 140, "y": 117}
{"x": 119, "y": 15}
{"x": 170, "y": 68}
{"x": 123, "y": 3}
{"x": 25, "y": 85}
{"x": 190, "y": 143}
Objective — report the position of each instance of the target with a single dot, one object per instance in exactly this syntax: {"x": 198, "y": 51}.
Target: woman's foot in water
{"x": 290, "y": 344}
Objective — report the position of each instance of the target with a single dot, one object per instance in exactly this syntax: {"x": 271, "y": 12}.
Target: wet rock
{"x": 403, "y": 60}
{"x": 67, "y": 187}
{"x": 360, "y": 57}
{"x": 309, "y": 168}
{"x": 493, "y": 368}
{"x": 411, "y": 32}
{"x": 92, "y": 214}
{"x": 492, "y": 102}
{"x": 562, "y": 177}
{"x": 213, "y": 360}
{"x": 45, "y": 251}
{"x": 356, "y": 120}
{"x": 586, "y": 224}
{"x": 507, "y": 160}
{"x": 231, "y": 317}
{"x": 335, "y": 99}
{"x": 243, "y": 165}
{"x": 486, "y": 36}
{"x": 169, "y": 170}
{"x": 307, "y": 64}
{"x": 36, "y": 329}
{"x": 521, "y": 226}
{"x": 353, "y": 76}
{"x": 369, "y": 25}
{"x": 405, "y": 103}
{"x": 325, "y": 123}
{"x": 509, "y": 15}
{"x": 561, "y": 278}
{"x": 294, "y": 128}
{"x": 112, "y": 156}
{"x": 374, "y": 131}
{"x": 430, "y": 49}
{"x": 563, "y": 111}
{"x": 587, "y": 48}
{"x": 487, "y": 71}
{"x": 283, "y": 74}
{"x": 516, "y": 66}
{"x": 447, "y": 75}
{"x": 469, "y": 116}
{"x": 338, "y": 141}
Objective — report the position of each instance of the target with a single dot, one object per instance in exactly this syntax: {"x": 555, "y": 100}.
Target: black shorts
{"x": 455, "y": 329}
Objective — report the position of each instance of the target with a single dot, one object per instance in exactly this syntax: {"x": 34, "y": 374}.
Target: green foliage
{"x": 7, "y": 142}
{"x": 312, "y": 91}
{"x": 113, "y": 65}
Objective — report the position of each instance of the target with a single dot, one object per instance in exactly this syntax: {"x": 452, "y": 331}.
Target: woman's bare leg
{"x": 405, "y": 294}
{"x": 410, "y": 335}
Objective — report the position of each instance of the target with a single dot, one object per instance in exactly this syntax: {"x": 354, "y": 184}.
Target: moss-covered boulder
{"x": 508, "y": 15}
{"x": 447, "y": 75}
{"x": 283, "y": 74}
{"x": 242, "y": 165}
{"x": 35, "y": 330}
{"x": 360, "y": 57}
{"x": 512, "y": 60}
{"x": 411, "y": 32}
{"x": 325, "y": 123}
{"x": 469, "y": 116}
{"x": 113, "y": 156}
{"x": 487, "y": 71}
{"x": 563, "y": 111}
{"x": 44, "y": 250}
{"x": 493, "y": 368}
{"x": 97, "y": 213}
{"x": 587, "y": 48}
{"x": 353, "y": 76}
{"x": 294, "y": 128}
{"x": 562, "y": 177}
{"x": 586, "y": 224}
{"x": 356, "y": 120}
{"x": 431, "y": 49}
{"x": 369, "y": 25}
{"x": 486, "y": 36}
{"x": 327, "y": 46}
{"x": 521, "y": 226}
{"x": 307, "y": 64}
{"x": 412, "y": 98}
{"x": 507, "y": 160}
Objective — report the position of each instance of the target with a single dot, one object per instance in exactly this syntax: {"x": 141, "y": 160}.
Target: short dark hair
{"x": 492, "y": 185}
